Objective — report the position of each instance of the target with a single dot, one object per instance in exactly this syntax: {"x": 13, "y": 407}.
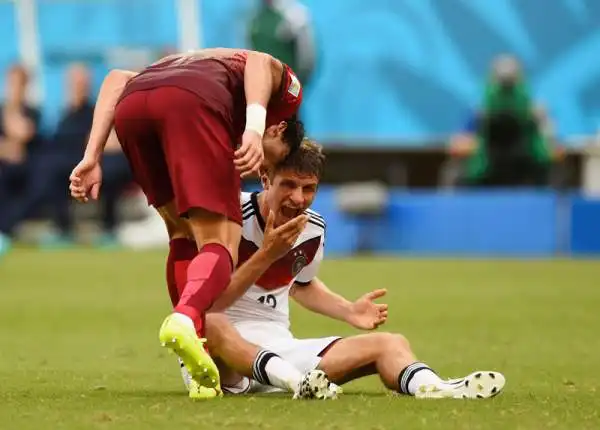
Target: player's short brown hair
{"x": 293, "y": 133}
{"x": 307, "y": 159}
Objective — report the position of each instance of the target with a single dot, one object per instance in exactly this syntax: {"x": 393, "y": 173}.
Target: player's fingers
{"x": 270, "y": 220}
{"x": 376, "y": 294}
{"x": 383, "y": 315}
{"x": 248, "y": 163}
{"x": 250, "y": 171}
{"x": 242, "y": 150}
{"x": 295, "y": 224}
{"x": 77, "y": 192}
{"x": 243, "y": 155}
{"x": 382, "y": 307}
{"x": 95, "y": 191}
{"x": 248, "y": 154}
{"x": 289, "y": 238}
{"x": 242, "y": 164}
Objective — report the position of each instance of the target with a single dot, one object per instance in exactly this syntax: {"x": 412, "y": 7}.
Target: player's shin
{"x": 181, "y": 252}
{"x": 270, "y": 369}
{"x": 207, "y": 277}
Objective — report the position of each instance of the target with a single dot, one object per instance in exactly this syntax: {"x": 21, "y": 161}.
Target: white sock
{"x": 416, "y": 375}
{"x": 243, "y": 386}
{"x": 270, "y": 369}
{"x": 184, "y": 319}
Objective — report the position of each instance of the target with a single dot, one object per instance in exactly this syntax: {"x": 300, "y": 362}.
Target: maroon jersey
{"x": 216, "y": 76}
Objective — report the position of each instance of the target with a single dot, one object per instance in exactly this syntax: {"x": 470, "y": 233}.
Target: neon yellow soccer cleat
{"x": 197, "y": 392}
{"x": 179, "y": 337}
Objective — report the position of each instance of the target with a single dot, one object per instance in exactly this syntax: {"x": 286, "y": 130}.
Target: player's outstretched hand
{"x": 250, "y": 155}
{"x": 278, "y": 241}
{"x": 86, "y": 179}
{"x": 366, "y": 314}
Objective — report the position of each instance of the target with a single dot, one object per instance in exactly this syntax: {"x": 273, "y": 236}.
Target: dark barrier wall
{"x": 420, "y": 168}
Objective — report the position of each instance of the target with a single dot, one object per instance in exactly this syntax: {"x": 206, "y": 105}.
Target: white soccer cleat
{"x": 477, "y": 385}
{"x": 316, "y": 385}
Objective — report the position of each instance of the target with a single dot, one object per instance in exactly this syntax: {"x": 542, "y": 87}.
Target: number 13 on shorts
{"x": 268, "y": 300}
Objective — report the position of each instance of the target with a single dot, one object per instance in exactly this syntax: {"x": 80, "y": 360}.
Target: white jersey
{"x": 268, "y": 299}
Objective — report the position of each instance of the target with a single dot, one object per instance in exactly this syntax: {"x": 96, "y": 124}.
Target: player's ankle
{"x": 184, "y": 319}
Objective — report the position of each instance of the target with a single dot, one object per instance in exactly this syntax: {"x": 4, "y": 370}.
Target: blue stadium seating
{"x": 388, "y": 70}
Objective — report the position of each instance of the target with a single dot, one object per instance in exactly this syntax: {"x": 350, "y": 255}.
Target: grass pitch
{"x": 79, "y": 348}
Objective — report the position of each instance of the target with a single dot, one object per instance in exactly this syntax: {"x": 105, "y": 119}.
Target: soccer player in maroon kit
{"x": 179, "y": 122}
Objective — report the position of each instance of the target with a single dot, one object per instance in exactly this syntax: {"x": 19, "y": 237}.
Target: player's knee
{"x": 400, "y": 344}
{"x": 396, "y": 342}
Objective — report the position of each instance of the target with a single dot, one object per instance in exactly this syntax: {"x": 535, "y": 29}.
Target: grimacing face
{"x": 289, "y": 194}
{"x": 274, "y": 146}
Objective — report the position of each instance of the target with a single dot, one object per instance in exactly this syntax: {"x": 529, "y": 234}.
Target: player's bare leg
{"x": 390, "y": 356}
{"x": 208, "y": 275}
{"x": 243, "y": 358}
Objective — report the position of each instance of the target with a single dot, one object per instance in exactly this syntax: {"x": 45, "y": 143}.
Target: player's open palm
{"x": 86, "y": 179}
{"x": 366, "y": 314}
{"x": 278, "y": 241}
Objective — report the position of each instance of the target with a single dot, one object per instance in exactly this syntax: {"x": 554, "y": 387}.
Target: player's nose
{"x": 297, "y": 197}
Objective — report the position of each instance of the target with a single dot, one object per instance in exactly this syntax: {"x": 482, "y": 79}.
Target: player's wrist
{"x": 256, "y": 118}
{"x": 348, "y": 313}
{"x": 92, "y": 156}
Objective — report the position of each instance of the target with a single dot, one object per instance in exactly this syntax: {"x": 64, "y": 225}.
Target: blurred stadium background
{"x": 396, "y": 94}
{"x": 392, "y": 87}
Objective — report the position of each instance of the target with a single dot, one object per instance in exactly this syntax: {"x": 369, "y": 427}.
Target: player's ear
{"x": 281, "y": 127}
{"x": 264, "y": 179}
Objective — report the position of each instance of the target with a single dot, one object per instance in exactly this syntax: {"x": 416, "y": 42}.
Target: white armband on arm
{"x": 256, "y": 118}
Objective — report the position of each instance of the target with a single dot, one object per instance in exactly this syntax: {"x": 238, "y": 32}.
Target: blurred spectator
{"x": 66, "y": 151}
{"x": 44, "y": 178}
{"x": 115, "y": 177}
{"x": 283, "y": 29}
{"x": 19, "y": 138}
{"x": 508, "y": 142}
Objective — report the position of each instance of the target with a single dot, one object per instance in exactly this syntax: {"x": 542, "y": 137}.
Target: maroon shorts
{"x": 178, "y": 148}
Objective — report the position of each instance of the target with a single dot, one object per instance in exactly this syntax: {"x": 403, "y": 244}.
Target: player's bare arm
{"x": 104, "y": 111}
{"x": 262, "y": 78}
{"x": 277, "y": 242}
{"x": 86, "y": 177}
{"x": 363, "y": 314}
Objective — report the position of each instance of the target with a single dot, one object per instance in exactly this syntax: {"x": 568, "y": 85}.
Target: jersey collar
{"x": 256, "y": 207}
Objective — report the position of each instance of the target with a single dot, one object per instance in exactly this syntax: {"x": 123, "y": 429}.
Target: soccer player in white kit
{"x": 261, "y": 315}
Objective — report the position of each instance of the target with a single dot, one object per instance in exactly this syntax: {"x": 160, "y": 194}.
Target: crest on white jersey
{"x": 294, "y": 88}
{"x": 300, "y": 262}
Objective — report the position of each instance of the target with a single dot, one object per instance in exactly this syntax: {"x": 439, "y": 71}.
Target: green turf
{"x": 79, "y": 349}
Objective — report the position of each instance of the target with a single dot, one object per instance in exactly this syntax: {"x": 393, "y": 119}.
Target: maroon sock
{"x": 181, "y": 252}
{"x": 208, "y": 276}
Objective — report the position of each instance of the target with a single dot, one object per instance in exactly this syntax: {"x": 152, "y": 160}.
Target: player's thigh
{"x": 198, "y": 145}
{"x": 352, "y": 357}
{"x": 177, "y": 227}
{"x": 138, "y": 135}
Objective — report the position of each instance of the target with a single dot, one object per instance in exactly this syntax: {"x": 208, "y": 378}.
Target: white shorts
{"x": 301, "y": 353}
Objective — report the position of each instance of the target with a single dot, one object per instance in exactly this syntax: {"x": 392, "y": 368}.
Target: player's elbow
{"x": 260, "y": 60}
